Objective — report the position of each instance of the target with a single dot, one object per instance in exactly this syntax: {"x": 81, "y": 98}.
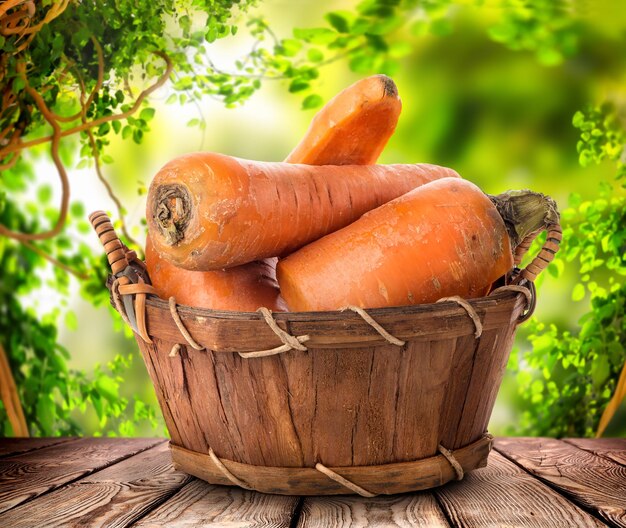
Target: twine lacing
{"x": 370, "y": 321}
{"x": 236, "y": 481}
{"x": 343, "y": 481}
{"x": 181, "y": 327}
{"x": 528, "y": 293}
{"x": 446, "y": 453}
{"x": 458, "y": 469}
{"x": 470, "y": 311}
{"x": 289, "y": 342}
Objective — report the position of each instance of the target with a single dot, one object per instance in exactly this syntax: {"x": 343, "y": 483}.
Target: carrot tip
{"x": 391, "y": 90}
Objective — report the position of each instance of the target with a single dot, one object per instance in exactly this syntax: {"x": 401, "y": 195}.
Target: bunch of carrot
{"x": 328, "y": 227}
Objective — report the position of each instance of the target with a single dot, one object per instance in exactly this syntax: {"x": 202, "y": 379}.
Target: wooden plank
{"x": 14, "y": 446}
{"x": 29, "y": 475}
{"x": 114, "y": 497}
{"x": 611, "y": 448}
{"x": 406, "y": 511}
{"x": 592, "y": 481}
{"x": 502, "y": 494}
{"x": 205, "y": 505}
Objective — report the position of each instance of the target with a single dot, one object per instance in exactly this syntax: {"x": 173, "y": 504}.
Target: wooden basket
{"x": 318, "y": 403}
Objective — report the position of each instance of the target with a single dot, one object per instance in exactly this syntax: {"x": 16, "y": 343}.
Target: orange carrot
{"x": 209, "y": 211}
{"x": 444, "y": 238}
{"x": 242, "y": 289}
{"x": 369, "y": 110}
{"x": 353, "y": 127}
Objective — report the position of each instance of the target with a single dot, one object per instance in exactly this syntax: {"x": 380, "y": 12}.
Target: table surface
{"x": 89, "y": 482}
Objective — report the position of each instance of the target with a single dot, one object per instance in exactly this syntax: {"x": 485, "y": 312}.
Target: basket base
{"x": 387, "y": 479}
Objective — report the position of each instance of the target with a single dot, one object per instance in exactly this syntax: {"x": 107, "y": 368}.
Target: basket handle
{"x": 543, "y": 258}
{"x": 113, "y": 247}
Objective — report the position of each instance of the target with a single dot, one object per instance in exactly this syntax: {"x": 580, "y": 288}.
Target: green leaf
{"x": 290, "y": 47}
{"x": 312, "y": 101}
{"x": 71, "y": 322}
{"x": 146, "y": 114}
{"x": 77, "y": 210}
{"x": 297, "y": 85}
{"x": 600, "y": 370}
{"x": 108, "y": 388}
{"x": 578, "y": 293}
{"x": 18, "y": 84}
{"x": 315, "y": 55}
{"x": 46, "y": 414}
{"x": 315, "y": 35}
{"x": 44, "y": 194}
{"x": 339, "y": 20}
{"x": 362, "y": 64}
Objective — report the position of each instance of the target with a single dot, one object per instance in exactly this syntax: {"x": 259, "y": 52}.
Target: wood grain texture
{"x": 356, "y": 406}
{"x": 241, "y": 332}
{"x": 14, "y": 446}
{"x": 402, "y": 511}
{"x": 590, "y": 480}
{"x": 114, "y": 497}
{"x": 502, "y": 494}
{"x": 29, "y": 475}
{"x": 199, "y": 504}
{"x": 487, "y": 369}
{"x": 611, "y": 448}
{"x": 385, "y": 479}
{"x": 350, "y": 400}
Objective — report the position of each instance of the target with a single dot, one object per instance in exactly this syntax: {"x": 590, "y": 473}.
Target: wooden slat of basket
{"x": 460, "y": 375}
{"x": 421, "y": 403}
{"x": 382, "y": 479}
{"x": 348, "y": 407}
{"x": 487, "y": 371}
{"x": 240, "y": 332}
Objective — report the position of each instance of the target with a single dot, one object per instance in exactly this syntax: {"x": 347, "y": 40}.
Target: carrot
{"x": 209, "y": 211}
{"x": 444, "y": 238}
{"x": 368, "y": 110}
{"x": 242, "y": 289}
{"x": 353, "y": 127}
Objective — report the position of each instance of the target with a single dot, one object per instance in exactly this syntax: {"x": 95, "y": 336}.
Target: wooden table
{"x": 54, "y": 482}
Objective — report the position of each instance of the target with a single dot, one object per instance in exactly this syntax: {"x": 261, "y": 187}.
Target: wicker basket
{"x": 385, "y": 401}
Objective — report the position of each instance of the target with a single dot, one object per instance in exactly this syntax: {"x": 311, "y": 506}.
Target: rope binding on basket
{"x": 289, "y": 342}
{"x": 448, "y": 454}
{"x": 131, "y": 285}
{"x": 181, "y": 327}
{"x": 478, "y": 326}
{"x": 370, "y": 321}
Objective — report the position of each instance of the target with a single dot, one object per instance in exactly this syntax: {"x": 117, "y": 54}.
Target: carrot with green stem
{"x": 442, "y": 239}
{"x": 209, "y": 211}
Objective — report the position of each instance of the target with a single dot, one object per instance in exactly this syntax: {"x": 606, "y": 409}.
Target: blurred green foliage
{"x": 509, "y": 93}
